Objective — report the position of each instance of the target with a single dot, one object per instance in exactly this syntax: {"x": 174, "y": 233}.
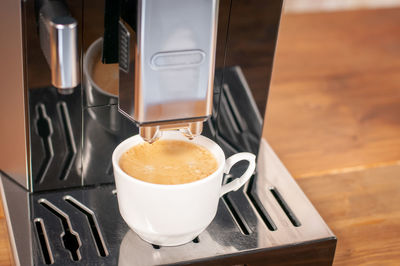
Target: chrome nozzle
{"x": 151, "y": 134}
{"x": 193, "y": 130}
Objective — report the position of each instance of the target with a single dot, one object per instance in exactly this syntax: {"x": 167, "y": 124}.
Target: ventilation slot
{"x": 69, "y": 237}
{"x": 255, "y": 201}
{"x": 94, "y": 226}
{"x": 44, "y": 130}
{"x": 44, "y": 241}
{"x": 69, "y": 137}
{"x": 285, "y": 207}
{"x": 236, "y": 215}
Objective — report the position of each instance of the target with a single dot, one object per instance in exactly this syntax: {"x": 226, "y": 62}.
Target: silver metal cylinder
{"x": 59, "y": 42}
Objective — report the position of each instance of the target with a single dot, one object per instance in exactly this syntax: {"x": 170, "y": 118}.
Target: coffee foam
{"x": 168, "y": 162}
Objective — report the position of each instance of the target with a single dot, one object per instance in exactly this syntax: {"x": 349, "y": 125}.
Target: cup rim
{"x": 121, "y": 148}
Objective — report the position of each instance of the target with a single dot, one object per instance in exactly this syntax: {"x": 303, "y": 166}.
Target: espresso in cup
{"x": 160, "y": 162}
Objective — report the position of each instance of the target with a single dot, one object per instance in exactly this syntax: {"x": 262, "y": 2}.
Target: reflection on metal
{"x": 55, "y": 137}
{"x": 70, "y": 155}
{"x": 44, "y": 129}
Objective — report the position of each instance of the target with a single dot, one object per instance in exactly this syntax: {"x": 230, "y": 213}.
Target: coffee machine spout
{"x": 166, "y": 64}
{"x": 150, "y": 134}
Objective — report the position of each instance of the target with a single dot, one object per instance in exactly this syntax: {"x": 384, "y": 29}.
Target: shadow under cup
{"x": 168, "y": 215}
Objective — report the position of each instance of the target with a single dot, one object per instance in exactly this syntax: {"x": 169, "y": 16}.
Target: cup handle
{"x": 240, "y": 181}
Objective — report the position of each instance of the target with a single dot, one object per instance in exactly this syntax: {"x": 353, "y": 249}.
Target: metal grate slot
{"x": 44, "y": 130}
{"x": 109, "y": 169}
{"x": 44, "y": 241}
{"x": 285, "y": 207}
{"x": 255, "y": 201}
{"x": 94, "y": 226}
{"x": 69, "y": 137}
{"x": 226, "y": 145}
{"x": 237, "y": 217}
{"x": 236, "y": 214}
{"x": 230, "y": 116}
{"x": 211, "y": 126}
{"x": 234, "y": 110}
{"x": 69, "y": 237}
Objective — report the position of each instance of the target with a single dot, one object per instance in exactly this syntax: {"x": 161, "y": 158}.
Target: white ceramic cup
{"x": 171, "y": 215}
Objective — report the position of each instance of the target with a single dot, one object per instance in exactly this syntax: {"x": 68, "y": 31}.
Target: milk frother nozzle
{"x": 58, "y": 32}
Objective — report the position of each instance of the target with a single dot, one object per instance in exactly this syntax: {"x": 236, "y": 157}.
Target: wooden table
{"x": 334, "y": 119}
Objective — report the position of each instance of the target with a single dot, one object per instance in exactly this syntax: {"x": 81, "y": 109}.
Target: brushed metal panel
{"x": 13, "y": 142}
{"x": 171, "y": 55}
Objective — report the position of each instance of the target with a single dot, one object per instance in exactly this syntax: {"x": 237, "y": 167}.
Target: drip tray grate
{"x": 270, "y": 215}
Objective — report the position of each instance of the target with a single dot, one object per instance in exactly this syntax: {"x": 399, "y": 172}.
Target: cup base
{"x": 169, "y": 241}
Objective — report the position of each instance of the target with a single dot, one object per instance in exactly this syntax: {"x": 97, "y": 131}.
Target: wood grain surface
{"x": 334, "y": 119}
{"x": 5, "y": 249}
{"x": 334, "y": 103}
{"x": 362, "y": 209}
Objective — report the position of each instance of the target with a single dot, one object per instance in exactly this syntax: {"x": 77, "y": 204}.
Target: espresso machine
{"x": 196, "y": 66}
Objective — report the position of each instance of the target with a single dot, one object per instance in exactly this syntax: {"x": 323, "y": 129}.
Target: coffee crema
{"x": 168, "y": 162}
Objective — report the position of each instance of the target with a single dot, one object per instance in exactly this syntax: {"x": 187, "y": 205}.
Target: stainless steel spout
{"x": 150, "y": 133}
{"x": 58, "y": 32}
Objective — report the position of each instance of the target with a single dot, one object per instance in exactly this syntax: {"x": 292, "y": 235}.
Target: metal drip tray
{"x": 269, "y": 221}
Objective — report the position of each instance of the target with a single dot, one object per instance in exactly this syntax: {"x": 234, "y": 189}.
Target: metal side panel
{"x": 16, "y": 207}
{"x": 13, "y": 156}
